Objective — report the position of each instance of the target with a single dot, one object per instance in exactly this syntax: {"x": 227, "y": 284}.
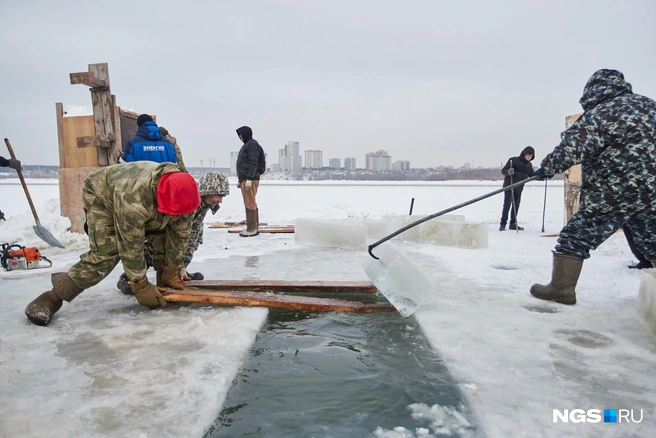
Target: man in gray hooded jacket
{"x": 615, "y": 143}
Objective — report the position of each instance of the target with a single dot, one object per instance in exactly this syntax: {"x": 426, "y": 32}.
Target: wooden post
{"x": 573, "y": 180}
{"x": 105, "y": 114}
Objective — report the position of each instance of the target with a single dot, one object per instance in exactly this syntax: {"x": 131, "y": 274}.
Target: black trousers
{"x": 636, "y": 252}
{"x": 507, "y": 206}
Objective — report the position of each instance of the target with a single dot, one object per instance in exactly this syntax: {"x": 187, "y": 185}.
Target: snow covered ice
{"x": 106, "y": 366}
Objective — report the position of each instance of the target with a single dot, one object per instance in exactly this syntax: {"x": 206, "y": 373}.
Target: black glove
{"x": 511, "y": 171}
{"x": 542, "y": 174}
{"x": 15, "y": 164}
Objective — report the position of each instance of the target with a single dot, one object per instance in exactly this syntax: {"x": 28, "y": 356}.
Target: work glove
{"x": 147, "y": 294}
{"x": 511, "y": 171}
{"x": 542, "y": 174}
{"x": 170, "y": 277}
{"x": 183, "y": 274}
{"x": 248, "y": 184}
{"x": 15, "y": 164}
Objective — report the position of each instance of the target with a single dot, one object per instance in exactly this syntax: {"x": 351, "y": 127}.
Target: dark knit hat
{"x": 177, "y": 194}
{"x": 163, "y": 131}
{"x": 143, "y": 119}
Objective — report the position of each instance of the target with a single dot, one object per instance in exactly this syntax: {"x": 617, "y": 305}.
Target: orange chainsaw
{"x": 18, "y": 258}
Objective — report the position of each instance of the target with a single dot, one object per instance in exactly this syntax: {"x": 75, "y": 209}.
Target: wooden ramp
{"x": 268, "y": 294}
{"x": 267, "y": 229}
{"x": 309, "y": 287}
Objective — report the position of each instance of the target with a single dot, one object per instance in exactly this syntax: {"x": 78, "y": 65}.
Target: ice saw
{"x": 17, "y": 258}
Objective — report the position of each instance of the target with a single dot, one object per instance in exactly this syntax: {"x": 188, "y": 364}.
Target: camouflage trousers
{"x": 154, "y": 248}
{"x": 586, "y": 231}
{"x": 102, "y": 257}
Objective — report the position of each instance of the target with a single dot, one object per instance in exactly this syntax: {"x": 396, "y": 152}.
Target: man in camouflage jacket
{"x": 213, "y": 187}
{"x": 615, "y": 143}
{"x": 124, "y": 204}
{"x": 174, "y": 142}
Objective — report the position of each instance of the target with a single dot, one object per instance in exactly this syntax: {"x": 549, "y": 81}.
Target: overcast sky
{"x": 432, "y": 82}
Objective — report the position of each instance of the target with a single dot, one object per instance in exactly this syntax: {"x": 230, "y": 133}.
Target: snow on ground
{"x": 106, "y": 366}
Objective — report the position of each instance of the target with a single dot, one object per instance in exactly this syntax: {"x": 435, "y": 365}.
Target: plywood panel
{"x": 71, "y": 181}
{"x": 73, "y": 157}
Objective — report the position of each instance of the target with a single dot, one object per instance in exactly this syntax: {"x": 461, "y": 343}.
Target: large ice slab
{"x": 398, "y": 278}
{"x": 646, "y": 303}
{"x": 347, "y": 234}
{"x": 445, "y": 230}
{"x": 464, "y": 235}
{"x": 376, "y": 228}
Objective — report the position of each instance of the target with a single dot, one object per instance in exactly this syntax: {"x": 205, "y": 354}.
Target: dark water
{"x": 335, "y": 375}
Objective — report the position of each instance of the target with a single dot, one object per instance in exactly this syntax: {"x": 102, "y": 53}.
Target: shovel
{"x": 448, "y": 210}
{"x": 44, "y": 234}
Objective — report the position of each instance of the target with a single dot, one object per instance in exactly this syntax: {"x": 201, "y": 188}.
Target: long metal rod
{"x": 448, "y": 210}
{"x": 544, "y": 207}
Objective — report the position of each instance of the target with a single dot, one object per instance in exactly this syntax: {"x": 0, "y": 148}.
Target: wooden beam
{"x": 272, "y": 229}
{"x": 93, "y": 141}
{"x": 59, "y": 108}
{"x": 255, "y": 299}
{"x": 89, "y": 79}
{"x": 310, "y": 287}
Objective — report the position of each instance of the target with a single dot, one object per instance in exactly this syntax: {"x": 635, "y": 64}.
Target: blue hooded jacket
{"x": 149, "y": 145}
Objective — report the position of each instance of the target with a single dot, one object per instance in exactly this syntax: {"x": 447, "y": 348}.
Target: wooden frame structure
{"x": 87, "y": 143}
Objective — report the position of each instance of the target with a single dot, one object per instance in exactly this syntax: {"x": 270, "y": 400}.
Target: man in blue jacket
{"x": 148, "y": 144}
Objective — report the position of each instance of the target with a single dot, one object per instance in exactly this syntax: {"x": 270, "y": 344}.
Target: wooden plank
{"x": 348, "y": 287}
{"x": 254, "y": 299}
{"x": 289, "y": 229}
{"x": 87, "y": 78}
{"x": 114, "y": 153}
{"x": 103, "y": 111}
{"x": 59, "y": 109}
{"x": 93, "y": 141}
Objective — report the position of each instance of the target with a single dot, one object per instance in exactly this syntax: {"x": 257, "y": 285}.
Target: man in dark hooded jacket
{"x": 251, "y": 165}
{"x": 516, "y": 169}
{"x": 615, "y": 143}
{"x": 14, "y": 164}
{"x": 148, "y": 144}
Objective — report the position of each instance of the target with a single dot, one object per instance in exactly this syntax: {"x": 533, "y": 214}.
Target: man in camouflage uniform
{"x": 124, "y": 204}
{"x": 615, "y": 143}
{"x": 174, "y": 142}
{"x": 213, "y": 188}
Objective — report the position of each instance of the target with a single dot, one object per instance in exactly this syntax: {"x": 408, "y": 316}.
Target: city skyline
{"x": 442, "y": 83}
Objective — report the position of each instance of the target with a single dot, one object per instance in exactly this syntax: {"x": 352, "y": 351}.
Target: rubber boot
{"x": 251, "y": 224}
{"x": 196, "y": 276}
{"x": 565, "y": 275}
{"x": 123, "y": 285}
{"x": 158, "y": 266}
{"x": 43, "y": 308}
{"x": 653, "y": 262}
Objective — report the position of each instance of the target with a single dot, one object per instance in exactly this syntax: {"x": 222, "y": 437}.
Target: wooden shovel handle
{"x": 22, "y": 180}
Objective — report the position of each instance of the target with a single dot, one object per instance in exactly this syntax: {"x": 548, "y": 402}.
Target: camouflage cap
{"x": 213, "y": 184}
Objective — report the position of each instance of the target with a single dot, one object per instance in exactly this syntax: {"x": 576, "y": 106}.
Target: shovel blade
{"x": 47, "y": 236}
